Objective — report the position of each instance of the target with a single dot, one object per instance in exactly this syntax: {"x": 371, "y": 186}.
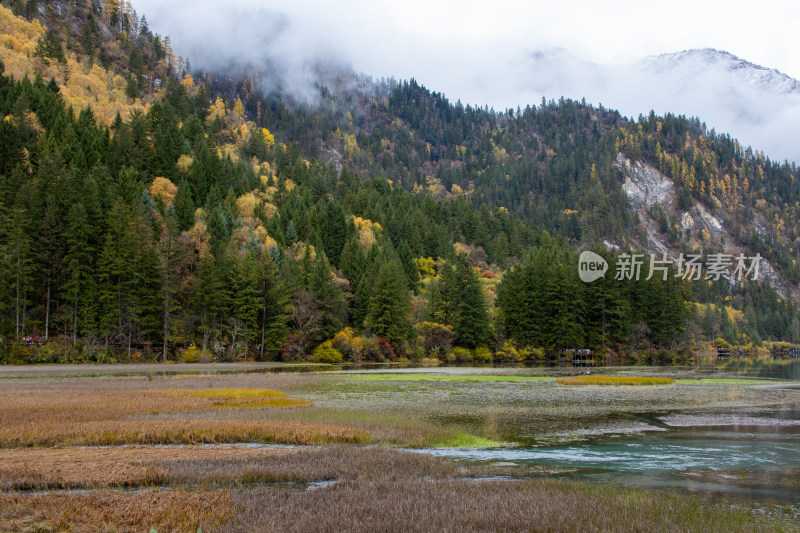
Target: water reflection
{"x": 777, "y": 368}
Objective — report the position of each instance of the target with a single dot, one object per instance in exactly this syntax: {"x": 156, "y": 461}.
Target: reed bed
{"x": 95, "y": 418}
{"x": 381, "y": 490}
{"x": 415, "y": 505}
{"x": 614, "y": 380}
{"x": 458, "y": 505}
{"x": 178, "y": 431}
{"x": 118, "y": 511}
{"x": 94, "y": 468}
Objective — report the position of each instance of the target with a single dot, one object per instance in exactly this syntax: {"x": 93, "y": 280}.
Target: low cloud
{"x": 503, "y": 56}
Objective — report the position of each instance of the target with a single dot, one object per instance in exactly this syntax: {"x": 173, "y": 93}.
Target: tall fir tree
{"x": 390, "y": 306}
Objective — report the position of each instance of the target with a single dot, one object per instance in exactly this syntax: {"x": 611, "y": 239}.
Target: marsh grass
{"x": 402, "y": 428}
{"x": 209, "y": 467}
{"x": 614, "y": 380}
{"x": 466, "y": 440}
{"x": 118, "y": 511}
{"x": 180, "y": 431}
{"x": 109, "y": 418}
{"x": 458, "y": 505}
{"x": 376, "y": 489}
{"x": 237, "y": 398}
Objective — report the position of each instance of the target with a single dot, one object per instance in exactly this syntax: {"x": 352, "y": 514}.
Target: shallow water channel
{"x": 758, "y": 460}
{"x": 753, "y": 454}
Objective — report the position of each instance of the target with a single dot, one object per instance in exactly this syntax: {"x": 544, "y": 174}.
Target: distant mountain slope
{"x": 758, "y": 105}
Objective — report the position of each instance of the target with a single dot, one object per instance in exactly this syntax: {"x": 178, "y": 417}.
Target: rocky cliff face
{"x": 652, "y": 196}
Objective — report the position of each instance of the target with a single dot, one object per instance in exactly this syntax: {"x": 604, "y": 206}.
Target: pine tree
{"x": 457, "y": 300}
{"x": 247, "y": 296}
{"x": 389, "y": 307}
{"x": 329, "y": 298}
{"x": 563, "y": 308}
{"x": 274, "y": 300}
{"x": 171, "y": 256}
{"x": 409, "y": 267}
{"x": 333, "y": 231}
{"x": 353, "y": 261}
{"x": 117, "y": 272}
{"x": 184, "y": 206}
{"x": 78, "y": 265}
{"x": 473, "y": 327}
{"x": 18, "y": 252}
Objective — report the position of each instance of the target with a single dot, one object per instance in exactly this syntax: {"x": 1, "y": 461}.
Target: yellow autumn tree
{"x": 164, "y": 189}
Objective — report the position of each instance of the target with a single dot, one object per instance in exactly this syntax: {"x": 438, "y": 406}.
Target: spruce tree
{"x": 184, "y": 206}
{"x": 78, "y": 265}
{"x": 333, "y": 230}
{"x": 473, "y": 327}
{"x": 409, "y": 267}
{"x": 274, "y": 303}
{"x": 353, "y": 261}
{"x": 390, "y": 305}
{"x": 329, "y": 297}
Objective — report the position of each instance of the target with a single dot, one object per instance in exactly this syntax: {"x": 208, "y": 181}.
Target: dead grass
{"x": 329, "y": 463}
{"x": 98, "y": 468}
{"x": 377, "y": 489}
{"x": 83, "y": 406}
{"x": 614, "y": 380}
{"x": 113, "y": 418}
{"x": 117, "y": 511}
{"x": 94, "y": 468}
{"x": 177, "y": 431}
{"x": 457, "y": 506}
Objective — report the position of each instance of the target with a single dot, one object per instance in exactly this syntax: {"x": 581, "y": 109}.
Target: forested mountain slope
{"x": 209, "y": 219}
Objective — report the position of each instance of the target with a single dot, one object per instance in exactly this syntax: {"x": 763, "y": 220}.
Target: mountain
{"x": 758, "y": 105}
{"x": 371, "y": 220}
{"x": 693, "y": 63}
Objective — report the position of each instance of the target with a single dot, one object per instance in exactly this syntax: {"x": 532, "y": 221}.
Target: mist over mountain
{"x": 757, "y": 105}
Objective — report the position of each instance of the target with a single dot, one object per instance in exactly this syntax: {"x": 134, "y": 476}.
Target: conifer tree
{"x": 389, "y": 306}
{"x": 184, "y": 206}
{"x": 407, "y": 261}
{"x": 353, "y": 261}
{"x": 329, "y": 298}
{"x": 274, "y": 303}
{"x": 333, "y": 227}
{"x": 78, "y": 265}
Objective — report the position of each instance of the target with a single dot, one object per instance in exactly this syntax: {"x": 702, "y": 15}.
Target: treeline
{"x": 543, "y": 302}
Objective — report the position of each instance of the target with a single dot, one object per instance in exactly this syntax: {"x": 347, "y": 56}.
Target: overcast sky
{"x": 476, "y": 51}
